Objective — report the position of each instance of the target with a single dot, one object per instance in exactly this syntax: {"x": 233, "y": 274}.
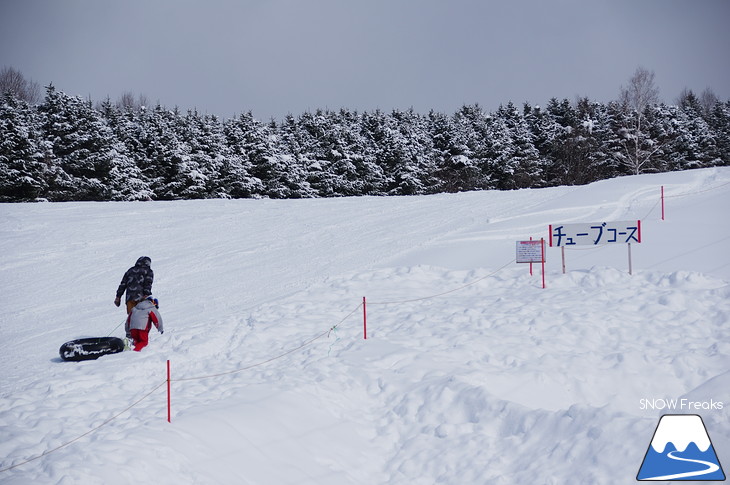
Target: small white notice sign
{"x": 530, "y": 251}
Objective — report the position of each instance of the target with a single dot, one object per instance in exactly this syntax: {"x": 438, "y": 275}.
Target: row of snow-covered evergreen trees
{"x": 64, "y": 148}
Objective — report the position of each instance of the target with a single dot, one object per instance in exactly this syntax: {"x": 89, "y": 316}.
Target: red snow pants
{"x": 141, "y": 337}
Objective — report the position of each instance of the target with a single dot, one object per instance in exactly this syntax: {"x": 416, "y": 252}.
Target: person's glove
{"x": 117, "y": 301}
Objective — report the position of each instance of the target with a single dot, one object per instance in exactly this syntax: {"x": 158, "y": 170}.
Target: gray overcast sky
{"x": 274, "y": 57}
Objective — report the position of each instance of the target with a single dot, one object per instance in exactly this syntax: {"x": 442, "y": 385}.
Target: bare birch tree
{"x": 638, "y": 148}
{"x": 128, "y": 101}
{"x": 14, "y": 82}
{"x": 708, "y": 100}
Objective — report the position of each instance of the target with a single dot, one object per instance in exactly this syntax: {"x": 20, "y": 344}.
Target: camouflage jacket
{"x": 137, "y": 281}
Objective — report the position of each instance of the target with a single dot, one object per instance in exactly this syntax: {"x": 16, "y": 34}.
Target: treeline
{"x": 65, "y": 148}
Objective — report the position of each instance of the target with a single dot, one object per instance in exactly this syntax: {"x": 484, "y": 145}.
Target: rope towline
{"x": 396, "y": 302}
{"x": 48, "y": 452}
{"x": 277, "y": 357}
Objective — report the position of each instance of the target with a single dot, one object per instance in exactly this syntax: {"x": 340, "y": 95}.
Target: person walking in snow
{"x": 137, "y": 282}
{"x": 139, "y": 322}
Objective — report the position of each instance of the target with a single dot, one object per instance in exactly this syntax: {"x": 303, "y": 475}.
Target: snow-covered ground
{"x": 496, "y": 382}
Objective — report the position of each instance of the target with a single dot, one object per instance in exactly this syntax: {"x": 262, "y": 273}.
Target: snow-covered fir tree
{"x": 23, "y": 171}
{"x": 235, "y": 172}
{"x": 87, "y": 161}
{"x": 719, "y": 121}
{"x": 406, "y": 154}
{"x": 467, "y": 167}
{"x": 282, "y": 176}
{"x": 696, "y": 144}
{"x": 515, "y": 162}
{"x": 67, "y": 149}
{"x": 126, "y": 181}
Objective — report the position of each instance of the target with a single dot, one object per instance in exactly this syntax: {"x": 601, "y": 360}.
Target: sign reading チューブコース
{"x": 595, "y": 233}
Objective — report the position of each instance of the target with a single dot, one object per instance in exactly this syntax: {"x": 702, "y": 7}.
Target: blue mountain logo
{"x": 680, "y": 450}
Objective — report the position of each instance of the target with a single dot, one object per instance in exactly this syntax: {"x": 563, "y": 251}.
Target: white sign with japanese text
{"x": 530, "y": 251}
{"x": 595, "y": 233}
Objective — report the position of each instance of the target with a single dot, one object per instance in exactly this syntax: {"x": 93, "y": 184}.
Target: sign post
{"x": 630, "y": 270}
{"x": 532, "y": 252}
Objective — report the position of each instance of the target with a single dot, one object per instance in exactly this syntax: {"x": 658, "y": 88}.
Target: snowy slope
{"x": 498, "y": 382}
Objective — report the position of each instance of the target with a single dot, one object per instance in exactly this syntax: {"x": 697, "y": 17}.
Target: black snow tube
{"x": 90, "y": 348}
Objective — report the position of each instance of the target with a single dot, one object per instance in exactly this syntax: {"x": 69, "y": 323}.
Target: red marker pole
{"x": 530, "y": 261}
{"x": 168, "y": 391}
{"x": 542, "y": 245}
{"x": 364, "y": 320}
